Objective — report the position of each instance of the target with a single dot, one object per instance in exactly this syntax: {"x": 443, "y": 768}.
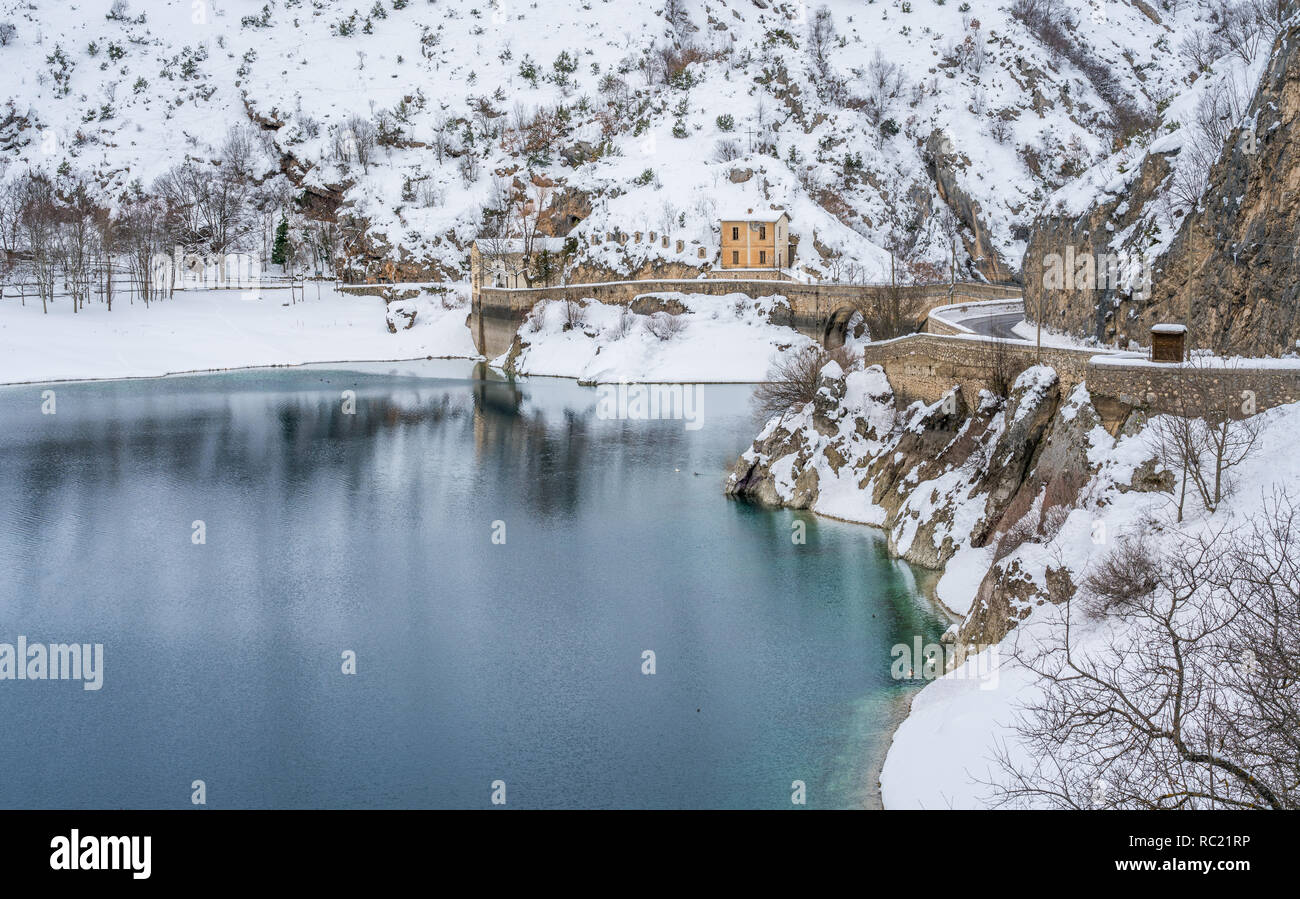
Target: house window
{"x": 762, "y": 257}
{"x": 735, "y": 257}
{"x": 735, "y": 234}
{"x": 762, "y": 232}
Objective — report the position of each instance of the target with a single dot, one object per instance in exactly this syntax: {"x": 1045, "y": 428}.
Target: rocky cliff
{"x": 1230, "y": 271}
{"x": 995, "y": 479}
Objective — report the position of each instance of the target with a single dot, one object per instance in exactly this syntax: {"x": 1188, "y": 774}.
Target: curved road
{"x": 1000, "y": 325}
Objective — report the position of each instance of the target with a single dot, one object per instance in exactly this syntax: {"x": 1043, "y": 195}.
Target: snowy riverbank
{"x": 205, "y": 330}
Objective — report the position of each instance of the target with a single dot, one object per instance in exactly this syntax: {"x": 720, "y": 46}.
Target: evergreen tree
{"x": 545, "y": 267}
{"x": 280, "y": 249}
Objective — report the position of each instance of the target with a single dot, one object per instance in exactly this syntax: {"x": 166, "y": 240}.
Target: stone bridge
{"x": 926, "y": 366}
{"x": 821, "y": 311}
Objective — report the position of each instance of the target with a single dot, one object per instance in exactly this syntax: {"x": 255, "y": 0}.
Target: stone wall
{"x": 1172, "y": 388}
{"x": 812, "y": 305}
{"x": 925, "y": 366}
{"x": 936, "y": 325}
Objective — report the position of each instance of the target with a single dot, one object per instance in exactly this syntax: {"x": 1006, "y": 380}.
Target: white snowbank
{"x": 721, "y": 339}
{"x": 199, "y": 330}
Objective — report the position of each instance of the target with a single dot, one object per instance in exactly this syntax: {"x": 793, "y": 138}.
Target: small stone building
{"x": 755, "y": 240}
{"x": 509, "y": 262}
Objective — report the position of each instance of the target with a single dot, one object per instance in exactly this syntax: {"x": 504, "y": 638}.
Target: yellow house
{"x": 756, "y": 240}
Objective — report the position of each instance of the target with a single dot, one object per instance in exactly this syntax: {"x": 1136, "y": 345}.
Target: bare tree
{"x": 1191, "y": 701}
{"x": 882, "y": 82}
{"x": 1219, "y": 114}
{"x": 321, "y": 240}
{"x": 239, "y": 153}
{"x": 1246, "y": 27}
{"x": 10, "y": 217}
{"x": 495, "y": 242}
{"x": 75, "y": 237}
{"x": 821, "y": 37}
{"x": 39, "y": 214}
{"x": 108, "y": 235}
{"x": 1211, "y": 430}
{"x": 442, "y": 128}
{"x": 206, "y": 209}
{"x": 527, "y": 209}
{"x": 999, "y": 368}
{"x": 792, "y": 381}
{"x": 678, "y": 18}
{"x": 143, "y": 238}
{"x": 892, "y": 312}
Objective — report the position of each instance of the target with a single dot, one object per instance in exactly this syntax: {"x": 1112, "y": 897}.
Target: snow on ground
{"x": 722, "y": 339}
{"x": 200, "y": 330}
{"x": 941, "y": 756}
{"x": 1027, "y": 330}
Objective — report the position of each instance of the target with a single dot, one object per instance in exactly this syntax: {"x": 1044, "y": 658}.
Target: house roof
{"x": 752, "y": 215}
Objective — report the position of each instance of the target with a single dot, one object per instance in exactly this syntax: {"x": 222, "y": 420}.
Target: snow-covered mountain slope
{"x": 1202, "y": 220}
{"x": 861, "y": 119}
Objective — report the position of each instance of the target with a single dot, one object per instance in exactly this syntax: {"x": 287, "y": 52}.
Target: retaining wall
{"x": 926, "y": 366}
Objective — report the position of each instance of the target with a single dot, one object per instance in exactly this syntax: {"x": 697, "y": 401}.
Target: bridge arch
{"x": 837, "y": 326}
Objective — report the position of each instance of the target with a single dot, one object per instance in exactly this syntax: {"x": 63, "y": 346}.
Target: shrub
{"x": 626, "y": 323}
{"x": 666, "y": 326}
{"x": 1125, "y": 573}
{"x": 575, "y": 315}
{"x": 726, "y": 150}
{"x": 792, "y": 382}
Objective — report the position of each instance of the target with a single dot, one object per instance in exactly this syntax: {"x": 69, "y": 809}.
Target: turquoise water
{"x": 476, "y": 661}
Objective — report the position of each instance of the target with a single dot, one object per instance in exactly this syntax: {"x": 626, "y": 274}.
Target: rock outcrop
{"x": 943, "y": 166}
{"x": 960, "y": 474}
{"x": 1231, "y": 272}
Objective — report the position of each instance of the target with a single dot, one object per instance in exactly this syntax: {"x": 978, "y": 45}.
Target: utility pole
{"x": 1041, "y": 299}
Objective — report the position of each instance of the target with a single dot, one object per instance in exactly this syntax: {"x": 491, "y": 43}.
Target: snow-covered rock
{"x": 674, "y": 337}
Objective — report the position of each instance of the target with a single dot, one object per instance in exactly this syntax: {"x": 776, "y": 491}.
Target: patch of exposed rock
{"x": 1230, "y": 272}
{"x": 961, "y": 472}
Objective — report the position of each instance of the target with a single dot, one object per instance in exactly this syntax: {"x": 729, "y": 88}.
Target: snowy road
{"x": 1001, "y": 326}
{"x": 996, "y": 318}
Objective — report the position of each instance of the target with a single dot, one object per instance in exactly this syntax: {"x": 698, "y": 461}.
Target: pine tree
{"x": 280, "y": 250}
{"x": 545, "y": 267}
